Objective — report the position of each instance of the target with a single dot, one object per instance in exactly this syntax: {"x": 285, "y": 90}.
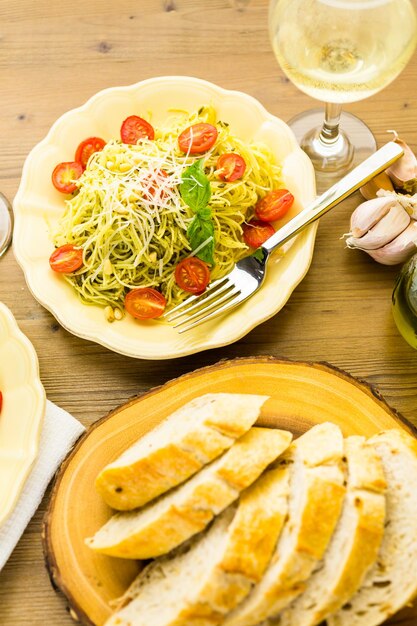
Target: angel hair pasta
{"x": 141, "y": 208}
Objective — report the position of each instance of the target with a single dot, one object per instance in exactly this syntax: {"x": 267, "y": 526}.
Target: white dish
{"x": 38, "y": 204}
{"x": 22, "y": 412}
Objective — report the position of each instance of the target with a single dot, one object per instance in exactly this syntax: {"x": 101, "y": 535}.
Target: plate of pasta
{"x": 144, "y": 195}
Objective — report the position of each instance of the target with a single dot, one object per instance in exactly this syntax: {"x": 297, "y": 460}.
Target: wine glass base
{"x": 6, "y": 224}
{"x": 355, "y": 143}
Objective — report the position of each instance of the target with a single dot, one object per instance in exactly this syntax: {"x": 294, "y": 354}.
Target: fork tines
{"x": 220, "y": 296}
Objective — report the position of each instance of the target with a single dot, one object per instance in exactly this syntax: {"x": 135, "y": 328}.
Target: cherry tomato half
{"x": 87, "y": 148}
{"x": 232, "y": 166}
{"x": 145, "y": 303}
{"x": 192, "y": 275}
{"x": 255, "y": 233}
{"x": 135, "y": 128}
{"x": 66, "y": 259}
{"x": 274, "y": 205}
{"x": 198, "y": 138}
{"x": 157, "y": 185}
{"x": 65, "y": 174}
{"x": 1, "y": 401}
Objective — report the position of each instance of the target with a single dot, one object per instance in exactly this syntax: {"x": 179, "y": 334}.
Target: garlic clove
{"x": 403, "y": 173}
{"x": 371, "y": 188}
{"x": 367, "y": 214}
{"x": 400, "y": 249}
{"x": 384, "y": 231}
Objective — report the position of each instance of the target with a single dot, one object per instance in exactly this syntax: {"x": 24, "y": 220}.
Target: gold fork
{"x": 249, "y": 273}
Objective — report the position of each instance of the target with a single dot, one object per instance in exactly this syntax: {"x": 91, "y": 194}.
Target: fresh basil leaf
{"x": 196, "y": 192}
{"x": 204, "y": 214}
{"x": 198, "y": 232}
{"x": 195, "y": 187}
{"x": 206, "y": 253}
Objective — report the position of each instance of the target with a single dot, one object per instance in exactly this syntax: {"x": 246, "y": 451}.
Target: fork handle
{"x": 371, "y": 167}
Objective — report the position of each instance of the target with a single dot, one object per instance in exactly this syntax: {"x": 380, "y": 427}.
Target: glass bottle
{"x": 404, "y": 302}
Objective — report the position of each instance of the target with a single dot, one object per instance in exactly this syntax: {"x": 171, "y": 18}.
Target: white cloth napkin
{"x": 59, "y": 433}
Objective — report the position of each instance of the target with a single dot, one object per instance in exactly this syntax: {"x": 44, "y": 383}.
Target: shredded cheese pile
{"x": 131, "y": 221}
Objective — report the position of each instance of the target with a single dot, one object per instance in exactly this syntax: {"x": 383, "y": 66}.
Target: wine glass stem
{"x": 327, "y": 144}
{"x": 330, "y": 132}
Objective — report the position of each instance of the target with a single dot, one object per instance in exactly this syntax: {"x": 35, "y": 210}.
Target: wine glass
{"x": 6, "y": 224}
{"x": 340, "y": 51}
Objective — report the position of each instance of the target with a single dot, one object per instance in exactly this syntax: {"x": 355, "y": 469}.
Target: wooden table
{"x": 53, "y": 57}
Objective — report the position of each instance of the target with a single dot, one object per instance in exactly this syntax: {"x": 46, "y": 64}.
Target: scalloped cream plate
{"x": 38, "y": 205}
{"x": 22, "y": 412}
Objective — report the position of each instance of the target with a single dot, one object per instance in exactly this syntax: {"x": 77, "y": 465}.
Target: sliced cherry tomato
{"x": 1, "y": 401}
{"x": 274, "y": 205}
{"x": 232, "y": 166}
{"x": 157, "y": 185}
{"x": 65, "y": 174}
{"x": 66, "y": 259}
{"x": 145, "y": 303}
{"x": 192, "y": 275}
{"x": 255, "y": 233}
{"x": 87, "y": 148}
{"x": 198, "y": 138}
{"x": 135, "y": 128}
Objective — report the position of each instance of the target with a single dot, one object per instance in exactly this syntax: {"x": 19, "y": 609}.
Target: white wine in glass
{"x": 340, "y": 51}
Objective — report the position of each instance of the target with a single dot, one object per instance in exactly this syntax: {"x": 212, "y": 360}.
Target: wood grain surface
{"x": 53, "y": 57}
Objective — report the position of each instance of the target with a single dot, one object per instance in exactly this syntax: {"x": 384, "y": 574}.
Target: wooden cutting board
{"x": 301, "y": 395}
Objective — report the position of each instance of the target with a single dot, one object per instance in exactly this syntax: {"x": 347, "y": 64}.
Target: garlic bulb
{"x": 385, "y": 228}
{"x": 386, "y": 225}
